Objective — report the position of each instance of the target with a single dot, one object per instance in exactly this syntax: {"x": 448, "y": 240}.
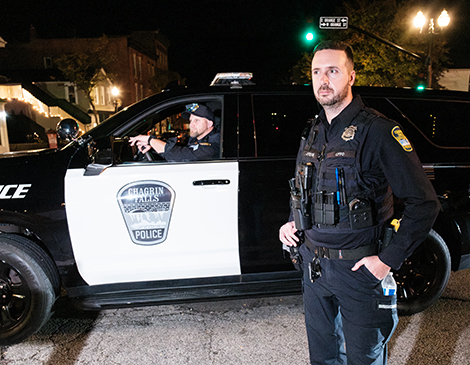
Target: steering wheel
{"x": 140, "y": 156}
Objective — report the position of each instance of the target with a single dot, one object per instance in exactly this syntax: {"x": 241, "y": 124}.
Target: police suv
{"x": 110, "y": 228}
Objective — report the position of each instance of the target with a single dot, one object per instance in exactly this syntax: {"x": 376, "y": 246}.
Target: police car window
{"x": 279, "y": 121}
{"x": 441, "y": 122}
{"x": 163, "y": 123}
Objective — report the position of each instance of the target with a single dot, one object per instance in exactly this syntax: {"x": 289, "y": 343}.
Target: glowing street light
{"x": 115, "y": 91}
{"x": 419, "y": 22}
{"x": 444, "y": 19}
{"x": 116, "y": 102}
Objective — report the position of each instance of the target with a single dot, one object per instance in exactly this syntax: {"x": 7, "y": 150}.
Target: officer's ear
{"x": 210, "y": 124}
{"x": 352, "y": 77}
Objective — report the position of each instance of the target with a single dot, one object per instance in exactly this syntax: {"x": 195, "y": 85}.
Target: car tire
{"x": 28, "y": 284}
{"x": 423, "y": 276}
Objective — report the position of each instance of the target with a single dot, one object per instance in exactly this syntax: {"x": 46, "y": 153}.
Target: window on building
{"x": 136, "y": 86}
{"x": 108, "y": 100}
{"x": 47, "y": 62}
{"x": 96, "y": 96}
{"x": 102, "y": 95}
{"x": 134, "y": 58}
{"x": 70, "y": 93}
{"x": 140, "y": 68}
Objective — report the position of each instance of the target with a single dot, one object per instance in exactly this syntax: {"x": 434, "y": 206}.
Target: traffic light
{"x": 421, "y": 82}
{"x": 420, "y": 87}
{"x": 309, "y": 36}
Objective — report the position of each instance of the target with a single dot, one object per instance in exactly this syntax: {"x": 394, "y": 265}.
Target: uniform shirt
{"x": 206, "y": 148}
{"x": 384, "y": 157}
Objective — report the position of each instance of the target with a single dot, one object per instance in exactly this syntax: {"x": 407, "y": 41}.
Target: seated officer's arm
{"x": 145, "y": 143}
{"x": 199, "y": 152}
{"x": 157, "y": 144}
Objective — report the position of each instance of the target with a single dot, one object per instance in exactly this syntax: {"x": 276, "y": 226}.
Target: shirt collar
{"x": 346, "y": 116}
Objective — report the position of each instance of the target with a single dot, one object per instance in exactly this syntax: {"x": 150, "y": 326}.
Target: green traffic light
{"x": 420, "y": 87}
{"x": 309, "y": 36}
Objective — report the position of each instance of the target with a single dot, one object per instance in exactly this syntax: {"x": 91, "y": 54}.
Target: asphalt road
{"x": 254, "y": 331}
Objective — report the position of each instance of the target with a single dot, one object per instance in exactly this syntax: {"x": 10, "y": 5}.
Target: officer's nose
{"x": 325, "y": 79}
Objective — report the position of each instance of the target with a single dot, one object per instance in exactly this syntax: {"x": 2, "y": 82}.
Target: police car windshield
{"x": 128, "y": 116}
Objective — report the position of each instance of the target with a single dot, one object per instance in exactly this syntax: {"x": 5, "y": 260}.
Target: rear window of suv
{"x": 443, "y": 123}
{"x": 279, "y": 121}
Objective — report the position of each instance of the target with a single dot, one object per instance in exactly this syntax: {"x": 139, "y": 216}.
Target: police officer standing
{"x": 351, "y": 162}
{"x": 203, "y": 144}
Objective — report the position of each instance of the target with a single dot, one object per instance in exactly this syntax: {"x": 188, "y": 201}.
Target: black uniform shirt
{"x": 207, "y": 148}
{"x": 390, "y": 158}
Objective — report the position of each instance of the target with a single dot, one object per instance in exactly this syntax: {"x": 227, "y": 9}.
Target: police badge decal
{"x": 146, "y": 207}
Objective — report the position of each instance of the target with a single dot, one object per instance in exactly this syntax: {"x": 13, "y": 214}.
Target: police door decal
{"x": 139, "y": 219}
{"x": 146, "y": 207}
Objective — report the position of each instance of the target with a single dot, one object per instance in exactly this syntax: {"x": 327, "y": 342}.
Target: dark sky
{"x": 206, "y": 36}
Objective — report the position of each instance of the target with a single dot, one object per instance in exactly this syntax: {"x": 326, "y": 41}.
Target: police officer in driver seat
{"x": 351, "y": 162}
{"x": 203, "y": 144}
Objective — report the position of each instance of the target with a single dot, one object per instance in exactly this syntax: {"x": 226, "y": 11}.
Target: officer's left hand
{"x": 374, "y": 265}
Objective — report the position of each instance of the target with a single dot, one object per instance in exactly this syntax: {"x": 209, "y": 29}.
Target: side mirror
{"x": 68, "y": 129}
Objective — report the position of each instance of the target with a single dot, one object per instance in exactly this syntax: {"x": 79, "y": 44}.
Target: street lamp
{"x": 116, "y": 101}
{"x": 420, "y": 22}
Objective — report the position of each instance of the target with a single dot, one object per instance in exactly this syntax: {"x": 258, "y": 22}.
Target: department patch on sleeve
{"x": 400, "y": 137}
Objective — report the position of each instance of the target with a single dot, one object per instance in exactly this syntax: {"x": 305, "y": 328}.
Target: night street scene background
{"x": 208, "y": 36}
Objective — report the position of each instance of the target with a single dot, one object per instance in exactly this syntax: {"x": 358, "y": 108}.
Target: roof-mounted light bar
{"x": 234, "y": 79}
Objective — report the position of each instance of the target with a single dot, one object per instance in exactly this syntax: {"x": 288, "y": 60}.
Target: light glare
{"x": 420, "y": 20}
{"x": 444, "y": 19}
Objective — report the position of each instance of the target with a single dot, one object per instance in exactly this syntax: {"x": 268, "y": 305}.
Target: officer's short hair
{"x": 337, "y": 46}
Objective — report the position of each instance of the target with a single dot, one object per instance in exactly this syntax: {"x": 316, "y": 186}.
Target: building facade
{"x": 133, "y": 61}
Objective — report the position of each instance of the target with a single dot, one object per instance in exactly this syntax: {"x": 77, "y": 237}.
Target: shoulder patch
{"x": 400, "y": 137}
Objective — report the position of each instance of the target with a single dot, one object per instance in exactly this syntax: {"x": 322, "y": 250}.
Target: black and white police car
{"x": 112, "y": 230}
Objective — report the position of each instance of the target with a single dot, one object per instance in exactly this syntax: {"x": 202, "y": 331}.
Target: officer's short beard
{"x": 336, "y": 99}
{"x": 196, "y": 134}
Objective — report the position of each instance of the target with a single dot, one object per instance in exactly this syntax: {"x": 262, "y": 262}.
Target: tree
{"x": 376, "y": 63}
{"x": 162, "y": 79}
{"x": 85, "y": 67}
{"x": 301, "y": 72}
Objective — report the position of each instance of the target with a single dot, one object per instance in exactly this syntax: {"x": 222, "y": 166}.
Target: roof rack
{"x": 234, "y": 79}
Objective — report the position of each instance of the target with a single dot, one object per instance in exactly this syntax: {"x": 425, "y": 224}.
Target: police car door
{"x": 154, "y": 221}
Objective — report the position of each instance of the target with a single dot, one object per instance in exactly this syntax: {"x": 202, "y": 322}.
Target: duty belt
{"x": 353, "y": 254}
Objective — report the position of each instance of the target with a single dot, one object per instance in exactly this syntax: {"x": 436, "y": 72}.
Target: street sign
{"x": 334, "y": 22}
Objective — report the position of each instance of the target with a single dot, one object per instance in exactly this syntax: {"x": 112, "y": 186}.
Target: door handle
{"x": 211, "y": 182}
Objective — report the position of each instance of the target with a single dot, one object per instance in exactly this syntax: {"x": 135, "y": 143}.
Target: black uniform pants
{"x": 349, "y": 305}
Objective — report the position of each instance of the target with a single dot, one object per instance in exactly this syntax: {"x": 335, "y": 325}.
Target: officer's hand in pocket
{"x": 374, "y": 265}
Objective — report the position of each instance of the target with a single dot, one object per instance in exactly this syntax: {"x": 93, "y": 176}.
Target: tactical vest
{"x": 340, "y": 197}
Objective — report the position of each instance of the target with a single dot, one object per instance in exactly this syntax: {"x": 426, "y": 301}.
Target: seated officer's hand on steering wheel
{"x": 140, "y": 155}
{"x": 140, "y": 150}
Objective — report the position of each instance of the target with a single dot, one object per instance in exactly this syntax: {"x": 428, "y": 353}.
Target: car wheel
{"x": 28, "y": 284}
{"x": 423, "y": 276}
